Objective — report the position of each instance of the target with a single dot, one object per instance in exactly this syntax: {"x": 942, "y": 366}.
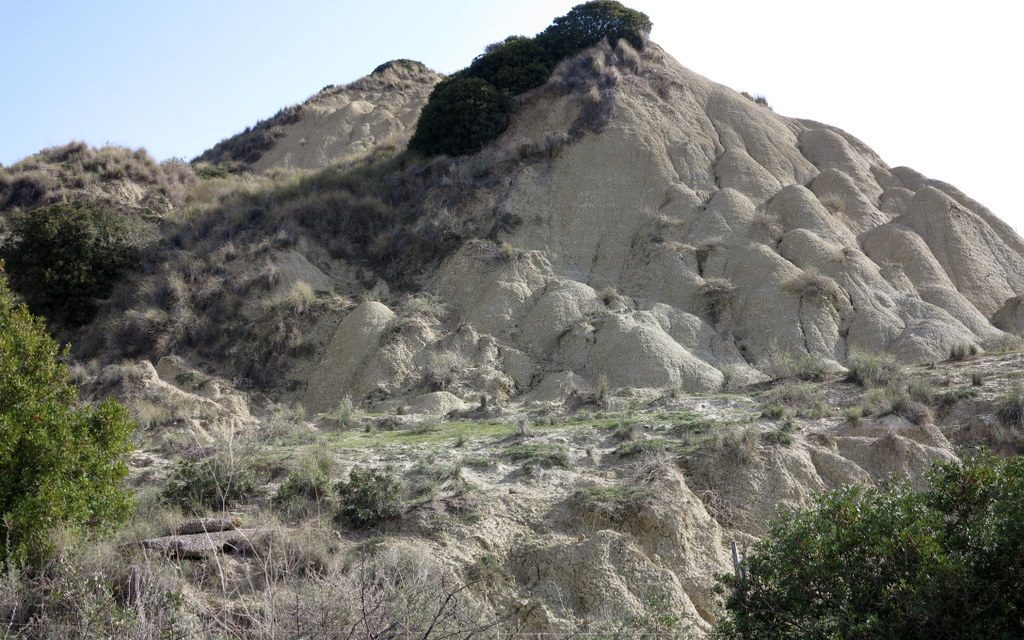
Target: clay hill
{"x": 338, "y": 123}
{"x": 636, "y": 226}
{"x": 605, "y": 339}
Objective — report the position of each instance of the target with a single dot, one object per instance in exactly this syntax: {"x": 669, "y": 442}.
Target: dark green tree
{"x": 589, "y": 23}
{"x": 893, "y": 563}
{"x": 60, "y": 461}
{"x": 65, "y": 257}
{"x": 462, "y": 115}
{"x": 515, "y": 65}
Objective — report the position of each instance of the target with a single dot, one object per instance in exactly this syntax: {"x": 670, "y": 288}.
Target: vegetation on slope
{"x": 60, "y": 462}
{"x": 74, "y": 170}
{"x": 890, "y": 562}
{"x": 471, "y": 108}
{"x": 64, "y": 258}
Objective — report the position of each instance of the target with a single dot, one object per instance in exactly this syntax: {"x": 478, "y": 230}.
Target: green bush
{"x": 212, "y": 483}
{"x": 539, "y": 454}
{"x": 368, "y": 498}
{"x": 589, "y": 23}
{"x": 515, "y": 65}
{"x": 64, "y": 258}
{"x": 473, "y": 107}
{"x": 463, "y": 114}
{"x": 60, "y": 462}
{"x": 892, "y": 563}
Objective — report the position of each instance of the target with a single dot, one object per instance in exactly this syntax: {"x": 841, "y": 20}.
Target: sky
{"x": 931, "y": 85}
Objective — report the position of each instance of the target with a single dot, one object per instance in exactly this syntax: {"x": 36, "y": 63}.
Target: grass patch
{"x": 871, "y": 370}
{"x": 539, "y": 454}
{"x": 643, "y": 447}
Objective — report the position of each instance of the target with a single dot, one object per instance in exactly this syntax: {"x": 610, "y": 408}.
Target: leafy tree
{"x": 515, "y": 65}
{"x": 587, "y": 24}
{"x": 462, "y": 115}
{"x": 893, "y": 563}
{"x": 473, "y": 107}
{"x": 63, "y": 258}
{"x": 60, "y": 461}
{"x": 368, "y": 498}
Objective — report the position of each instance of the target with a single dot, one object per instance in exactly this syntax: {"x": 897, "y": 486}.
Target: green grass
{"x": 539, "y": 454}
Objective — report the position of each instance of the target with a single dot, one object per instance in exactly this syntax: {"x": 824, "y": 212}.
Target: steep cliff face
{"x": 336, "y": 124}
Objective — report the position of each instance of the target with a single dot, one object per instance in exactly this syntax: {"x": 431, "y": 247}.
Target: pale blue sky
{"x": 929, "y": 84}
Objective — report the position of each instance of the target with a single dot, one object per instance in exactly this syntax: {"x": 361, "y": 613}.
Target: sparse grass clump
{"x": 783, "y": 436}
{"x": 214, "y": 483}
{"x": 643, "y": 447}
{"x": 368, "y": 498}
{"x": 963, "y": 351}
{"x": 716, "y": 294}
{"x": 539, "y": 454}
{"x": 305, "y": 490}
{"x": 1010, "y": 408}
{"x": 611, "y": 504}
{"x": 814, "y": 287}
{"x": 977, "y": 378}
{"x": 804, "y": 399}
{"x": 873, "y": 370}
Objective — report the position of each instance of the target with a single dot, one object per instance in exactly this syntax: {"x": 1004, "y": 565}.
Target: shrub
{"x": 873, "y": 370}
{"x": 213, "y": 483}
{"x": 63, "y": 258}
{"x": 473, "y": 107}
{"x": 587, "y": 24}
{"x": 1010, "y": 408}
{"x": 60, "y": 462}
{"x": 368, "y": 498}
{"x": 515, "y": 65}
{"x": 962, "y": 351}
{"x": 891, "y": 563}
{"x": 463, "y": 114}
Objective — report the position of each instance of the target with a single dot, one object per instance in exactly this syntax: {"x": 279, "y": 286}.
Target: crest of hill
{"x": 338, "y": 123}
{"x": 124, "y": 178}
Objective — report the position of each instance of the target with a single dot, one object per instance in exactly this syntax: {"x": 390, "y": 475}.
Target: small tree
{"x": 368, "y": 498}
{"x": 462, "y": 115}
{"x": 589, "y": 23}
{"x": 60, "y": 461}
{"x": 892, "y": 563}
{"x": 63, "y": 258}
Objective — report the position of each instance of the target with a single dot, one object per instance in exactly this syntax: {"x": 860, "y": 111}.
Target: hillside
{"x": 540, "y": 387}
{"x": 637, "y": 226}
{"x": 336, "y": 124}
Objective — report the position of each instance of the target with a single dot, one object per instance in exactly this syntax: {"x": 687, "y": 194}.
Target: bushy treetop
{"x": 473, "y": 107}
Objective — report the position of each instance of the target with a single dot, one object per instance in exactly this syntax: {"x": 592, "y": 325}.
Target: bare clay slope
{"x": 731, "y": 231}
{"x": 637, "y": 225}
{"x": 336, "y": 124}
